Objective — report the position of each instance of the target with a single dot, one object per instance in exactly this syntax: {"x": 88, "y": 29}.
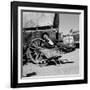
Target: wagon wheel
{"x": 37, "y": 58}
{"x": 37, "y": 43}
{"x": 36, "y": 55}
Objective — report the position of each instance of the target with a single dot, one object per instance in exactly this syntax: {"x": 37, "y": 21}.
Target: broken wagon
{"x": 36, "y": 51}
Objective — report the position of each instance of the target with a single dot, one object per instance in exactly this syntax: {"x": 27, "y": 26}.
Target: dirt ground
{"x": 61, "y": 69}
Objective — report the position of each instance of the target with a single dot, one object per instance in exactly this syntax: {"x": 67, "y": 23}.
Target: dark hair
{"x": 45, "y": 33}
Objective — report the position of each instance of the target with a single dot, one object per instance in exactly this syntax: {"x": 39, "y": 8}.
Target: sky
{"x": 67, "y": 21}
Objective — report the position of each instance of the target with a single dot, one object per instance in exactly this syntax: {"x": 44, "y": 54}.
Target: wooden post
{"x": 56, "y": 24}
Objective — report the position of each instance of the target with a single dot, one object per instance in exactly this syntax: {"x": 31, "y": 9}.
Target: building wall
{"x": 34, "y": 19}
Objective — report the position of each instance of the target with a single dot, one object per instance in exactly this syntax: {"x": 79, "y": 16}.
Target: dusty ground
{"x": 62, "y": 69}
